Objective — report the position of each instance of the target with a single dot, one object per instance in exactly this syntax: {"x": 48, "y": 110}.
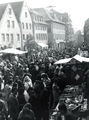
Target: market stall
{"x": 74, "y": 99}
{"x": 74, "y": 95}
{"x": 13, "y": 51}
{"x": 76, "y": 57}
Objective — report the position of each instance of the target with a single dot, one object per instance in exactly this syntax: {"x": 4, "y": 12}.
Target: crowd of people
{"x": 30, "y": 85}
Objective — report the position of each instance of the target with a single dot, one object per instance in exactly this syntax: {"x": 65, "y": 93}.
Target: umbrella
{"x": 13, "y": 51}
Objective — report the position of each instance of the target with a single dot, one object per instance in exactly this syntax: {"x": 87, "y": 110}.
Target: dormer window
{"x": 10, "y": 11}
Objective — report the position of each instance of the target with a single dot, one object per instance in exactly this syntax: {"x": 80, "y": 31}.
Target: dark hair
{"x": 38, "y": 86}
{"x": 28, "y": 105}
{"x": 62, "y": 108}
{"x": 44, "y": 75}
{"x": 28, "y": 114}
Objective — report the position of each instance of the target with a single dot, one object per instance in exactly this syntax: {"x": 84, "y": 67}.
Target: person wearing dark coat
{"x": 21, "y": 98}
{"x": 26, "y": 113}
{"x": 13, "y": 105}
{"x": 64, "y": 114}
{"x": 3, "y": 109}
{"x": 40, "y": 101}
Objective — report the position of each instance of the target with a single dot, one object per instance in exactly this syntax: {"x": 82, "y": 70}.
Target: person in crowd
{"x": 51, "y": 70}
{"x": 26, "y": 113}
{"x": 64, "y": 114}
{"x": 27, "y": 80}
{"x": 48, "y": 86}
{"x": 56, "y": 93}
{"x": 13, "y": 105}
{"x": 7, "y": 89}
{"x": 40, "y": 101}
{"x": 3, "y": 109}
{"x": 21, "y": 98}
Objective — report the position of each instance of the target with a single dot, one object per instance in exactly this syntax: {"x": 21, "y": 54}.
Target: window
{"x": 12, "y": 38}
{"x": 18, "y": 37}
{"x": 30, "y": 26}
{"x": 26, "y": 25}
{"x": 13, "y": 24}
{"x": 3, "y": 37}
{"x": 7, "y": 36}
{"x": 10, "y": 11}
{"x": 23, "y": 37}
{"x": 23, "y": 25}
{"x": 25, "y": 14}
{"x": 8, "y": 23}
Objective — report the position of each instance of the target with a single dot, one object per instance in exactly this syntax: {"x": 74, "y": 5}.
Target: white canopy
{"x": 43, "y": 45}
{"x": 63, "y": 61}
{"x": 76, "y": 57}
{"x": 13, "y": 51}
{"x": 81, "y": 59}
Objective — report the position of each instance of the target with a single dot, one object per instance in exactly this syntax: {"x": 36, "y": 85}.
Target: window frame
{"x": 8, "y": 23}
{"x": 13, "y": 24}
{"x": 7, "y": 37}
{"x": 26, "y": 14}
{"x": 12, "y": 37}
{"x": 10, "y": 11}
{"x": 3, "y": 37}
{"x": 18, "y": 37}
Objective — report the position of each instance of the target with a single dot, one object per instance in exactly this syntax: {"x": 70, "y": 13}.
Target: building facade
{"x": 39, "y": 28}
{"x": 56, "y": 28}
{"x": 15, "y": 24}
{"x": 23, "y": 16}
{"x": 18, "y": 23}
{"x": 10, "y": 35}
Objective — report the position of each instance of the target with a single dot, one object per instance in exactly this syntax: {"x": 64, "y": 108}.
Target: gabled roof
{"x": 42, "y": 11}
{"x": 35, "y": 12}
{"x": 2, "y": 9}
{"x": 17, "y": 7}
{"x": 59, "y": 15}
{"x": 48, "y": 15}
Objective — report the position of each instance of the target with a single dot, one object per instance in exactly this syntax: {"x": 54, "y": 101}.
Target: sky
{"x": 78, "y": 10}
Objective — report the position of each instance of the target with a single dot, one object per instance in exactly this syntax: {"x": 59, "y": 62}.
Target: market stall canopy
{"x": 78, "y": 58}
{"x": 13, "y": 51}
{"x": 63, "y": 61}
{"x": 43, "y": 45}
{"x": 81, "y": 59}
{"x": 73, "y": 60}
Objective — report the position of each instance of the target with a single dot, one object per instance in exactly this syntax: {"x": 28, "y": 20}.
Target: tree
{"x": 86, "y": 33}
{"x": 78, "y": 39}
{"x": 30, "y": 43}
